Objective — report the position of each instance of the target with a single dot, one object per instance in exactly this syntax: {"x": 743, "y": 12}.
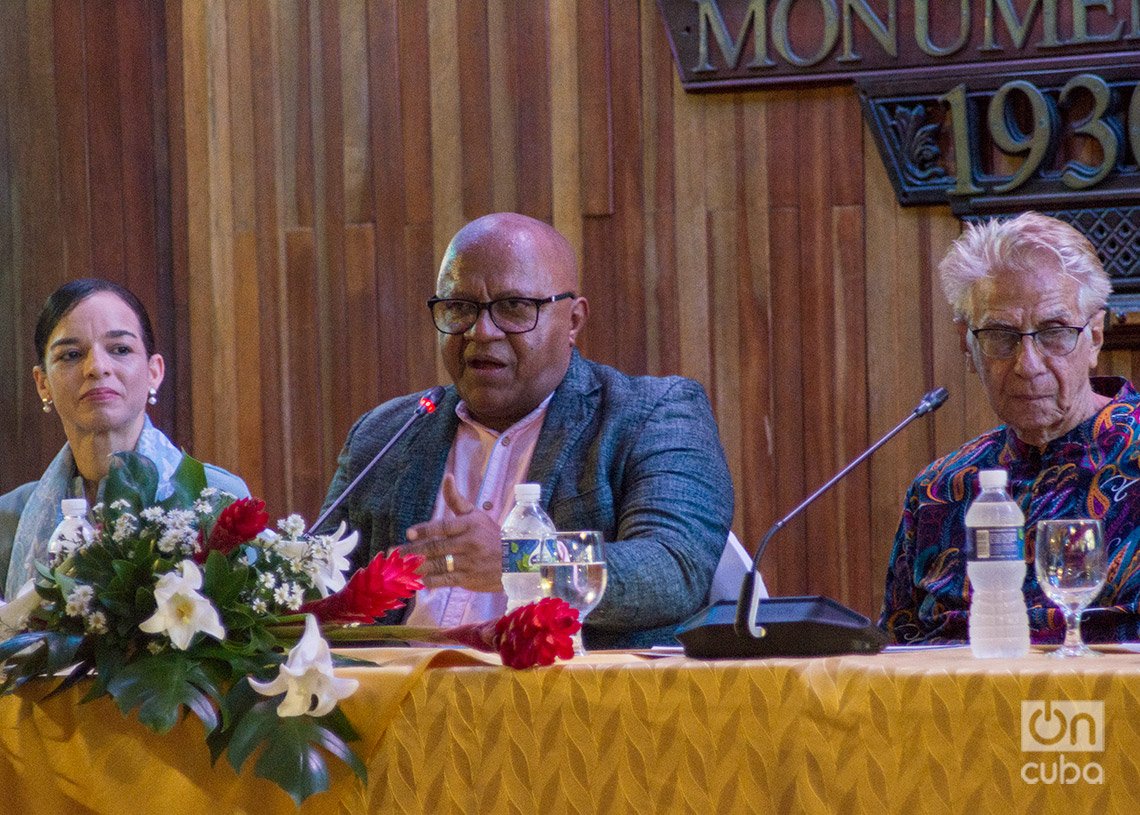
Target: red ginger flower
{"x": 537, "y": 633}
{"x": 385, "y": 584}
{"x": 241, "y": 521}
{"x": 534, "y": 634}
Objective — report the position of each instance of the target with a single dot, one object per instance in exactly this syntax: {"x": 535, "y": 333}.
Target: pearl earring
{"x": 47, "y": 405}
{"x": 152, "y": 398}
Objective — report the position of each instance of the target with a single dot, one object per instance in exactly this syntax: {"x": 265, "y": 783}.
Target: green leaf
{"x": 37, "y": 653}
{"x": 189, "y": 480}
{"x": 290, "y": 756}
{"x": 133, "y": 478}
{"x": 78, "y": 673}
{"x": 335, "y": 737}
{"x": 240, "y": 699}
{"x": 222, "y": 581}
{"x": 256, "y": 724}
{"x": 109, "y": 660}
{"x": 18, "y": 643}
{"x": 292, "y": 762}
{"x": 159, "y": 685}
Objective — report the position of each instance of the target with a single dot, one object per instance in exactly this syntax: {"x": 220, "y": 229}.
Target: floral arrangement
{"x": 187, "y": 604}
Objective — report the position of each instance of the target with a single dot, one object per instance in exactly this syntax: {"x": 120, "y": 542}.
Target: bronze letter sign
{"x": 733, "y": 44}
{"x": 991, "y": 106}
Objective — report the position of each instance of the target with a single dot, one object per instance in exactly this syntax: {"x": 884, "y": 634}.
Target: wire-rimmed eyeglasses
{"x": 511, "y": 315}
{"x": 1054, "y": 341}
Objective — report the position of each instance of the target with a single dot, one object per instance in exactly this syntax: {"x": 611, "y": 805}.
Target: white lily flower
{"x": 307, "y": 677}
{"x": 330, "y": 576}
{"x": 182, "y": 611}
{"x": 14, "y": 615}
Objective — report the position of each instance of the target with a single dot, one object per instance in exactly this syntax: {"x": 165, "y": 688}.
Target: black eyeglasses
{"x": 512, "y": 315}
{"x": 1055, "y": 341}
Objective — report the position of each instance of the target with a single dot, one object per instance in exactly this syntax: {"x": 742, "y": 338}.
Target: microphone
{"x": 791, "y": 626}
{"x": 428, "y": 403}
{"x": 931, "y": 402}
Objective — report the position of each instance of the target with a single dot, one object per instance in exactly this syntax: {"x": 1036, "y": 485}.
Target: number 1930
{"x": 1021, "y": 119}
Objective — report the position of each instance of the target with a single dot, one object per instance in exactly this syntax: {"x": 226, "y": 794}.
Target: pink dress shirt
{"x": 486, "y": 466}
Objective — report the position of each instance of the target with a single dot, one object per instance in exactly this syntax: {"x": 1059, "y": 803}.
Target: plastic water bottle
{"x": 995, "y": 546}
{"x": 72, "y": 533}
{"x": 525, "y": 534}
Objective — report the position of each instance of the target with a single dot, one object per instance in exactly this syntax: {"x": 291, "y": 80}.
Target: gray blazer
{"x": 638, "y": 458}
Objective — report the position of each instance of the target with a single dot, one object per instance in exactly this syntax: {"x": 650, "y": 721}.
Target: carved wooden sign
{"x": 990, "y": 106}
{"x": 732, "y": 44}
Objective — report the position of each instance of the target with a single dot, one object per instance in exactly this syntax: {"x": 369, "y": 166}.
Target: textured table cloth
{"x": 453, "y": 731}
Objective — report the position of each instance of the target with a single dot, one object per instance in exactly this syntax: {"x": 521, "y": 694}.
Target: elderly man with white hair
{"x": 1029, "y": 297}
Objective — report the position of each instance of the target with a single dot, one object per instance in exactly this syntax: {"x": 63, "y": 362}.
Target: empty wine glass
{"x": 1071, "y": 568}
{"x": 574, "y": 569}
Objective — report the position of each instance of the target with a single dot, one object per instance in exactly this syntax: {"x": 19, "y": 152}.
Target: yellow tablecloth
{"x": 451, "y": 731}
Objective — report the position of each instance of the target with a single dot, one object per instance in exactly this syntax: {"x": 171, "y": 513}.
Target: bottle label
{"x": 996, "y": 543}
{"x": 521, "y": 554}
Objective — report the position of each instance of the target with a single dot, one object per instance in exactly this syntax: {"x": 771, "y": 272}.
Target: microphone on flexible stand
{"x": 428, "y": 403}
{"x": 791, "y": 626}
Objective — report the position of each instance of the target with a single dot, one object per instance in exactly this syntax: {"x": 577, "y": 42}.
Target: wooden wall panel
{"x": 84, "y": 190}
{"x": 280, "y": 177}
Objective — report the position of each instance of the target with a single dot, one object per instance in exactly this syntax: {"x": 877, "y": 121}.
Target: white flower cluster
{"x": 293, "y": 526}
{"x": 323, "y": 559}
{"x": 78, "y": 604}
{"x": 290, "y": 562}
{"x": 126, "y": 525}
{"x": 174, "y": 531}
{"x": 179, "y": 535}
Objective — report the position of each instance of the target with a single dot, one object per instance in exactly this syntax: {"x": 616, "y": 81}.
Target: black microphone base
{"x": 793, "y": 627}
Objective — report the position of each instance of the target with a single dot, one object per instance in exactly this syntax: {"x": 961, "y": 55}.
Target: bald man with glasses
{"x": 638, "y": 458}
{"x": 1029, "y": 296}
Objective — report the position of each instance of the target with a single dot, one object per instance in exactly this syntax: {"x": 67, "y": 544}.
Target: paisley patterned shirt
{"x": 1093, "y": 471}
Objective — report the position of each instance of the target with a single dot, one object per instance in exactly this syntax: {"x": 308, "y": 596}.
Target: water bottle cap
{"x": 528, "y": 493}
{"x": 993, "y": 479}
{"x": 73, "y": 506}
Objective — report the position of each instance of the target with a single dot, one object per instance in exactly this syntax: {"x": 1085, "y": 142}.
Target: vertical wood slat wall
{"x": 83, "y": 190}
{"x": 278, "y": 178}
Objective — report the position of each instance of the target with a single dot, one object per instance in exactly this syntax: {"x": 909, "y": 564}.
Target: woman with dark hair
{"x": 97, "y": 368}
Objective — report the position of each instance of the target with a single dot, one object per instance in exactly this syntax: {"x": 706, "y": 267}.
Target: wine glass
{"x": 574, "y": 569}
{"x": 1072, "y": 566}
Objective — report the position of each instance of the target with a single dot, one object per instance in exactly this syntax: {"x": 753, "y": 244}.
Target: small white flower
{"x": 259, "y": 606}
{"x": 169, "y": 542}
{"x": 152, "y": 514}
{"x": 79, "y": 601}
{"x": 180, "y": 519}
{"x": 296, "y": 596}
{"x": 96, "y": 623}
{"x": 293, "y": 526}
{"x": 182, "y": 612}
{"x": 122, "y": 505}
{"x": 202, "y": 507}
{"x": 281, "y": 594}
{"x": 268, "y": 580}
{"x": 307, "y": 677}
{"x": 155, "y": 647}
{"x": 125, "y": 526}
{"x": 209, "y": 492}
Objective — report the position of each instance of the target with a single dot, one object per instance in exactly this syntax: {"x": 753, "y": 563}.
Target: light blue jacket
{"x": 638, "y": 458}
